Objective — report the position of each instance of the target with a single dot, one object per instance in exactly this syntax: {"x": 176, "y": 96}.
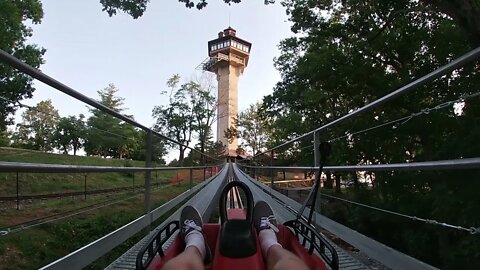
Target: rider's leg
{"x": 276, "y": 256}
{"x": 189, "y": 259}
{"x": 196, "y": 251}
{"x": 279, "y": 258}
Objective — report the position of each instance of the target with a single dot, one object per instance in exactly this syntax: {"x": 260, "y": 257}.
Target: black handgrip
{"x": 223, "y": 200}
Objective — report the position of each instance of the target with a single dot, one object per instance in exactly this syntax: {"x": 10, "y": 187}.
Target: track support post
{"x": 272, "y": 171}
{"x": 254, "y": 163}
{"x": 148, "y": 174}
{"x": 316, "y": 154}
{"x": 191, "y": 179}
{"x": 18, "y": 199}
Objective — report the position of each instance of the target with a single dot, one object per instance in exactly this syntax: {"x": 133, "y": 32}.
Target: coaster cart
{"x": 234, "y": 242}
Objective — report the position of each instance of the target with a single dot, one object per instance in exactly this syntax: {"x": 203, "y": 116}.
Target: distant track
{"x": 74, "y": 193}
{"x": 68, "y": 213}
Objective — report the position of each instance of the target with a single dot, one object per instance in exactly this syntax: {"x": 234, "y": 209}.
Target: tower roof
{"x": 229, "y": 31}
{"x": 228, "y": 34}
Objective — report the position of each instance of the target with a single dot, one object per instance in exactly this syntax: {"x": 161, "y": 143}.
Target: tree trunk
{"x": 329, "y": 181}
{"x": 181, "y": 156}
{"x": 355, "y": 180}
{"x": 338, "y": 177}
{"x": 337, "y": 184}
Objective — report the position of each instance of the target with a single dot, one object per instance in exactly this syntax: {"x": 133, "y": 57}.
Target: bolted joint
{"x": 474, "y": 230}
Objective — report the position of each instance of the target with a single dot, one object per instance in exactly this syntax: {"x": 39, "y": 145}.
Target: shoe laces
{"x": 189, "y": 225}
{"x": 266, "y": 222}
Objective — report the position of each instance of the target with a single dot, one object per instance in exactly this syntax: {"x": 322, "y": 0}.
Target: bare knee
{"x": 279, "y": 258}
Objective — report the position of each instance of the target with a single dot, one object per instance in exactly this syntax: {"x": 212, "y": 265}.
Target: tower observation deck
{"x": 228, "y": 57}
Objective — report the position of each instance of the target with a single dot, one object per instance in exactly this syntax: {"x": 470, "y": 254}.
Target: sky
{"x": 87, "y": 50}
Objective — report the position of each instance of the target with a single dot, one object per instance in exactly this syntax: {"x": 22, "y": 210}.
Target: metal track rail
{"x": 285, "y": 209}
{"x": 283, "y": 214}
{"x": 91, "y": 252}
{"x": 136, "y": 188}
{"x": 205, "y": 201}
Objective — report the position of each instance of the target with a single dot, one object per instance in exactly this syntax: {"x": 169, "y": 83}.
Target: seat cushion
{"x": 237, "y": 239}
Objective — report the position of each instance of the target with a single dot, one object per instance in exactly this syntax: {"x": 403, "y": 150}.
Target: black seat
{"x": 237, "y": 239}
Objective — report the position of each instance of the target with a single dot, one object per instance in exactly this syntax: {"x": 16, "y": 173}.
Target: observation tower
{"x": 228, "y": 57}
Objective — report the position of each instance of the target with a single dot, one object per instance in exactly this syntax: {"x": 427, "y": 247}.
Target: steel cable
{"x": 471, "y": 230}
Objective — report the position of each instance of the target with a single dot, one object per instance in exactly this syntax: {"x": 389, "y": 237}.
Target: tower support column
{"x": 227, "y": 77}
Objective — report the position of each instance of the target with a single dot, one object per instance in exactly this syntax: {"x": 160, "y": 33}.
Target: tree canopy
{"x": 70, "y": 133}
{"x": 190, "y": 111}
{"x": 106, "y": 135}
{"x": 14, "y": 32}
{"x": 464, "y": 12}
{"x": 37, "y": 127}
{"x": 351, "y": 53}
{"x": 252, "y": 128}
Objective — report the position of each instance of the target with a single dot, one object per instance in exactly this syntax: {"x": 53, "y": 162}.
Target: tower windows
{"x": 229, "y": 43}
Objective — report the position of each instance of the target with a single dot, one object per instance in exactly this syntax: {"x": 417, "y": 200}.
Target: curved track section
{"x": 205, "y": 201}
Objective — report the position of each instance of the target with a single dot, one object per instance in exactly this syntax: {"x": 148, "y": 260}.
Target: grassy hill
{"x": 36, "y": 183}
{"x": 31, "y": 156}
{"x": 35, "y": 247}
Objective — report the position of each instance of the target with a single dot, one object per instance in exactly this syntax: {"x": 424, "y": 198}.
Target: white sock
{"x": 267, "y": 238}
{"x": 195, "y": 238}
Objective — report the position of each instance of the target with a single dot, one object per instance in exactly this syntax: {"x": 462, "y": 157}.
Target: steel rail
{"x": 75, "y": 211}
{"x": 37, "y": 74}
{"x": 471, "y": 230}
{"x": 85, "y": 255}
{"x": 457, "y": 63}
{"x": 386, "y": 255}
{"x": 57, "y": 168}
{"x": 452, "y": 164}
{"x": 206, "y": 200}
{"x": 78, "y": 193}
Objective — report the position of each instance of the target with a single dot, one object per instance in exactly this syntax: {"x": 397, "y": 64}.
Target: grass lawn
{"x": 43, "y": 183}
{"x": 38, "y": 246}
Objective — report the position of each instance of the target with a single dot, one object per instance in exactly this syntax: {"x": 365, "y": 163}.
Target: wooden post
{"x": 18, "y": 197}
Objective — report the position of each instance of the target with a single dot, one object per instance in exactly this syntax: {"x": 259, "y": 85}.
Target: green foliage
{"x": 351, "y": 53}
{"x": 108, "y": 136}
{"x": 464, "y": 12}
{"x": 70, "y": 133}
{"x": 253, "y": 129}
{"x": 5, "y": 138}
{"x": 138, "y": 152}
{"x": 204, "y": 106}
{"x": 134, "y": 8}
{"x": 32, "y": 183}
{"x": 191, "y": 110}
{"x": 37, "y": 127}
{"x": 34, "y": 248}
{"x": 15, "y": 85}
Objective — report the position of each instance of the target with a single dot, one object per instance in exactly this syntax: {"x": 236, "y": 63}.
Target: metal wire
{"x": 37, "y": 74}
{"x": 86, "y": 209}
{"x": 21, "y": 105}
{"x": 439, "y": 72}
{"x": 471, "y": 230}
{"x": 413, "y": 115}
